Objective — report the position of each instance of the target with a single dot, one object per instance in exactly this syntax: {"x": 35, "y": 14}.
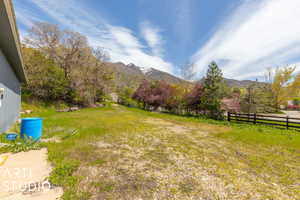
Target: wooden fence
{"x": 271, "y": 120}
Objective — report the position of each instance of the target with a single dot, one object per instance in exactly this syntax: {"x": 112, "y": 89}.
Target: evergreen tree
{"x": 213, "y": 84}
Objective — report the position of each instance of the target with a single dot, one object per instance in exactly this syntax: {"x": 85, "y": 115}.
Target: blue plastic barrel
{"x": 32, "y": 127}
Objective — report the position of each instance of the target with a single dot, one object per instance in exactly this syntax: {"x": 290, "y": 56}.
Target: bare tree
{"x": 44, "y": 36}
{"x": 187, "y": 71}
{"x": 101, "y": 54}
{"x": 102, "y": 74}
{"x": 74, "y": 49}
{"x": 65, "y": 47}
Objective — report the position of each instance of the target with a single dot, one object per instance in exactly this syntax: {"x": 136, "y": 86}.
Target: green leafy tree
{"x": 125, "y": 97}
{"x": 213, "y": 93}
{"x": 46, "y": 80}
{"x": 284, "y": 85}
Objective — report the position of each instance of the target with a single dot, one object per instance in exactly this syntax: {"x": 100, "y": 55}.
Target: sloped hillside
{"x": 132, "y": 75}
{"x": 240, "y": 84}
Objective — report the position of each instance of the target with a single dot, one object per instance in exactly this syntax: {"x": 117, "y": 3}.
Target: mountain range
{"x": 131, "y": 76}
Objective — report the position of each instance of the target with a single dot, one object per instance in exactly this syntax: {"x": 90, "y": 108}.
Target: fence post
{"x": 228, "y": 116}
{"x": 254, "y": 118}
{"x": 287, "y": 122}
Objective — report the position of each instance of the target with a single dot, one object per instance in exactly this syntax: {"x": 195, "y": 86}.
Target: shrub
{"x": 156, "y": 94}
{"x": 192, "y": 100}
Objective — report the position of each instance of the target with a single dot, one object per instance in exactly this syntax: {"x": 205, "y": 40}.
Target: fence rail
{"x": 271, "y": 120}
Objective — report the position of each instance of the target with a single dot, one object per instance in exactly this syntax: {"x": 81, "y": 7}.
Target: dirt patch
{"x": 158, "y": 122}
{"x": 188, "y": 129}
{"x": 23, "y": 176}
{"x": 53, "y": 139}
{"x": 173, "y": 127}
{"x": 101, "y": 144}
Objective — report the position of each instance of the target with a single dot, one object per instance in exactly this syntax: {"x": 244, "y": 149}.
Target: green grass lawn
{"x": 125, "y": 153}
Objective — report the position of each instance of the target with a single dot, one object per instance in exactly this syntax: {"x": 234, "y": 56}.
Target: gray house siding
{"x": 10, "y": 105}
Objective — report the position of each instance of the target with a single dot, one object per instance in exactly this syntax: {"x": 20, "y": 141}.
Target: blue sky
{"x": 243, "y": 36}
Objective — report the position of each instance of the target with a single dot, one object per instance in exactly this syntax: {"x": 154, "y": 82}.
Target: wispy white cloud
{"x": 122, "y": 44}
{"x": 257, "y": 35}
{"x": 183, "y": 21}
{"x": 26, "y": 16}
{"x": 153, "y": 38}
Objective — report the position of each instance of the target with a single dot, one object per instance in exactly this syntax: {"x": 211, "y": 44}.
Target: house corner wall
{"x": 11, "y": 102}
